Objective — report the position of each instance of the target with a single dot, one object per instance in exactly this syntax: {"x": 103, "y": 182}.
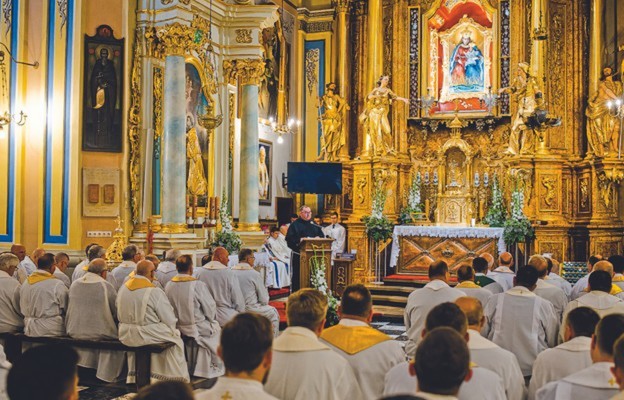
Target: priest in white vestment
{"x": 465, "y": 277}
{"x": 598, "y": 298}
{"x": 95, "y": 251}
{"x": 421, "y": 301}
{"x": 92, "y": 315}
{"x": 28, "y": 264}
{"x": 62, "y": 261}
{"x": 503, "y": 274}
{"x": 166, "y": 269}
{"x": 11, "y": 319}
{"x": 370, "y": 352}
{"x": 520, "y": 321}
{"x": 146, "y": 317}
{"x": 280, "y": 259}
{"x": 489, "y": 355}
{"x": 480, "y": 267}
{"x": 544, "y": 289}
{"x": 253, "y": 289}
{"x": 484, "y": 384}
{"x": 555, "y": 279}
{"x": 223, "y": 286}
{"x": 337, "y": 232}
{"x": 43, "y": 300}
{"x": 245, "y": 348}
{"x": 196, "y": 311}
{"x": 580, "y": 285}
{"x": 303, "y": 367}
{"x": 569, "y": 357}
{"x": 131, "y": 255}
{"x": 596, "y": 381}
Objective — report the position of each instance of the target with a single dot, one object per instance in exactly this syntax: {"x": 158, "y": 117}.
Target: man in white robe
{"x": 544, "y": 289}
{"x": 480, "y": 266}
{"x": 598, "y": 298}
{"x": 95, "y": 251}
{"x": 484, "y": 384}
{"x": 303, "y": 367}
{"x": 146, "y": 317}
{"x": 246, "y": 351}
{"x": 520, "y": 321}
{"x": 487, "y": 354}
{"x": 280, "y": 259}
{"x": 253, "y": 289}
{"x": 81, "y": 267}
{"x": 595, "y": 382}
{"x": 11, "y": 319}
{"x": 27, "y": 264}
{"x": 421, "y": 301}
{"x": 570, "y": 356}
{"x": 580, "y": 285}
{"x": 196, "y": 311}
{"x": 223, "y": 286}
{"x": 337, "y": 232}
{"x": 370, "y": 352}
{"x": 465, "y": 277}
{"x": 618, "y": 368}
{"x": 62, "y": 261}
{"x": 504, "y": 274}
{"x": 43, "y": 300}
{"x": 166, "y": 270}
{"x": 555, "y": 279}
{"x": 131, "y": 255}
{"x": 92, "y": 315}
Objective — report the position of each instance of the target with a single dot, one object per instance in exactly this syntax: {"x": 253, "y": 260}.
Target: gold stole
{"x": 468, "y": 285}
{"x": 36, "y": 278}
{"x": 136, "y": 283}
{"x": 353, "y": 339}
{"x": 186, "y": 278}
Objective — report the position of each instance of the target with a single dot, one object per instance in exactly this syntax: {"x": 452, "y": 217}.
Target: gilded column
{"x": 375, "y": 42}
{"x": 539, "y": 21}
{"x": 595, "y": 46}
{"x": 176, "y": 38}
{"x": 343, "y": 70}
{"x": 249, "y": 72}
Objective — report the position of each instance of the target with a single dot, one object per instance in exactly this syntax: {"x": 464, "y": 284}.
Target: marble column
{"x": 174, "y": 147}
{"x": 343, "y": 71}
{"x": 595, "y": 45}
{"x": 249, "y": 72}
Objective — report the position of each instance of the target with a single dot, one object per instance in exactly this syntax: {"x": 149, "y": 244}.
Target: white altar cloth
{"x": 443, "y": 231}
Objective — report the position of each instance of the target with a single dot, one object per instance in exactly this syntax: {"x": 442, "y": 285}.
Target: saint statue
{"x": 466, "y": 66}
{"x": 263, "y": 175}
{"x": 377, "y": 129}
{"x": 526, "y": 89}
{"x": 332, "y": 123}
{"x": 196, "y": 182}
{"x": 603, "y": 129}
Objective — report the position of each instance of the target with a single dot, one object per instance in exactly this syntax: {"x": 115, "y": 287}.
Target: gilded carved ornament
{"x": 342, "y": 6}
{"x": 243, "y": 35}
{"x": 312, "y": 58}
{"x": 158, "y": 102}
{"x": 177, "y": 39}
{"x": 134, "y": 120}
{"x": 249, "y": 71}
{"x": 550, "y": 184}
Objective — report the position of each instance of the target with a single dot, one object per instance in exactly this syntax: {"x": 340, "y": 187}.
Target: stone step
{"x": 388, "y": 314}
{"x": 405, "y": 282}
{"x": 392, "y": 301}
{"x": 389, "y": 290}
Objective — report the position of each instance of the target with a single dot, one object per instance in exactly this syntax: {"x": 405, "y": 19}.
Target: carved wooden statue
{"x": 602, "y": 128}
{"x": 332, "y": 123}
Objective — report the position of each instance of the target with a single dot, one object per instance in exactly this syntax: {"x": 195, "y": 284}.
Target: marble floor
{"x": 94, "y": 389}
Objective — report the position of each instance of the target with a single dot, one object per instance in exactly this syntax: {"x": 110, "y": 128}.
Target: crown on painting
{"x": 466, "y": 34}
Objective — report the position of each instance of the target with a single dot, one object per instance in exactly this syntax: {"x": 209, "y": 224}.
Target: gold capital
{"x": 250, "y": 71}
{"x": 342, "y": 6}
{"x": 176, "y": 38}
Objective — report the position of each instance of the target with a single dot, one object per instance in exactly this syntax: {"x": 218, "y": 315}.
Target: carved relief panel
{"x": 549, "y": 189}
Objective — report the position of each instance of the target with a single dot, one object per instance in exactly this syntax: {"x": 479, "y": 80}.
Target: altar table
{"x": 415, "y": 247}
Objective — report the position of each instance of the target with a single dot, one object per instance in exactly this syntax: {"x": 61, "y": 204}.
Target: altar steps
{"x": 390, "y": 301}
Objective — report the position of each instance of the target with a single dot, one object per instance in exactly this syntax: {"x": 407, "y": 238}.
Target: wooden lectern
{"x": 309, "y": 249}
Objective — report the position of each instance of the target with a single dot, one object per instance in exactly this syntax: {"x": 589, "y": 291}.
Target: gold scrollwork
{"x": 361, "y": 189}
{"x": 177, "y": 38}
{"x": 231, "y": 128}
{"x": 342, "y": 6}
{"x": 550, "y": 184}
{"x": 243, "y": 36}
{"x": 250, "y": 71}
{"x": 311, "y": 66}
{"x": 605, "y": 189}
{"x": 584, "y": 187}
{"x": 134, "y": 120}
{"x": 158, "y": 109}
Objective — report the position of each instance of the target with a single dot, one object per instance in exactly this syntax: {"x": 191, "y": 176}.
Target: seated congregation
{"x": 503, "y": 332}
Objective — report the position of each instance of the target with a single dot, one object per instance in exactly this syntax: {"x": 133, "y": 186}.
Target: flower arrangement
{"x": 496, "y": 214}
{"x": 413, "y": 202}
{"x": 318, "y": 281}
{"x": 518, "y": 227}
{"x": 378, "y": 226}
{"x": 226, "y": 238}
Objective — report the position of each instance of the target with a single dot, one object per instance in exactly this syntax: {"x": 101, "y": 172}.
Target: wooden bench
{"x": 13, "y": 349}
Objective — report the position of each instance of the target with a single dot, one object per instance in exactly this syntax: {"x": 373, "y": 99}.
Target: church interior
{"x": 343, "y": 142}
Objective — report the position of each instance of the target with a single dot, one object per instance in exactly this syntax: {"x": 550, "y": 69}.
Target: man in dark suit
{"x": 301, "y": 228}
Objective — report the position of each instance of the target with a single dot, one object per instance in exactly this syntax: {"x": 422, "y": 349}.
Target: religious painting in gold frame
{"x": 460, "y": 38}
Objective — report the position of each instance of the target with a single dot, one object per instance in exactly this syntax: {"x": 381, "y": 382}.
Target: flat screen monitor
{"x": 315, "y": 178}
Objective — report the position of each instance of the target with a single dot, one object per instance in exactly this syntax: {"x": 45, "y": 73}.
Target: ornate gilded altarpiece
{"x": 573, "y": 200}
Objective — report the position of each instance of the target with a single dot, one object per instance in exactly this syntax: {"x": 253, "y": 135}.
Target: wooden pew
{"x": 13, "y": 349}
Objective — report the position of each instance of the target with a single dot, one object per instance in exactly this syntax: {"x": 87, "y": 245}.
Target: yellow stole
{"x": 619, "y": 278}
{"x": 353, "y": 339}
{"x": 615, "y": 289}
{"x": 85, "y": 268}
{"x": 135, "y": 284}
{"x": 468, "y": 285}
{"x": 186, "y": 278}
{"x": 36, "y": 278}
